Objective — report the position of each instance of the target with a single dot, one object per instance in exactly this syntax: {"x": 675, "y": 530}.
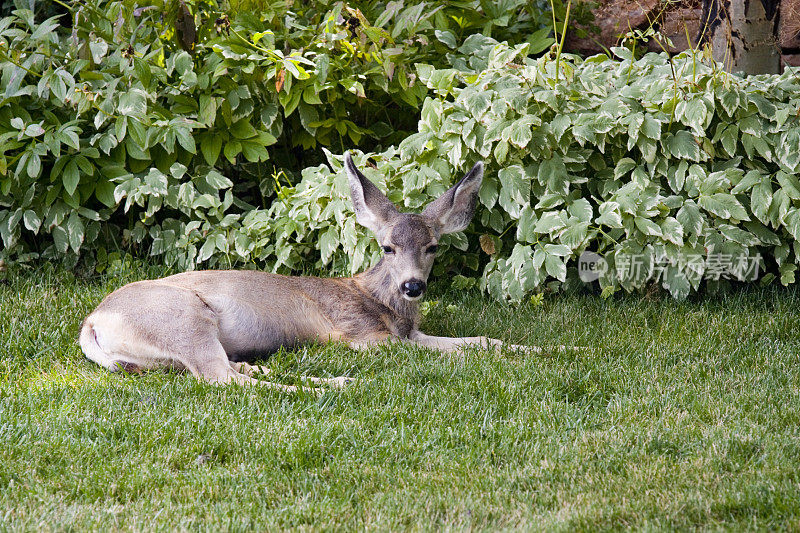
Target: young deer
{"x": 212, "y": 322}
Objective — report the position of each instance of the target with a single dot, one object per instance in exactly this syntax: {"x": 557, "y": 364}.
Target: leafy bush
{"x": 154, "y": 131}
{"x": 113, "y": 136}
{"x": 658, "y": 161}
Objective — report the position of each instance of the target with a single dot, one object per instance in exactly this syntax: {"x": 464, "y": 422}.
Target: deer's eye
{"x": 431, "y": 249}
{"x": 388, "y": 249}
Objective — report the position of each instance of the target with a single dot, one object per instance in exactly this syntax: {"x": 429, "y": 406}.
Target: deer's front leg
{"x": 457, "y": 344}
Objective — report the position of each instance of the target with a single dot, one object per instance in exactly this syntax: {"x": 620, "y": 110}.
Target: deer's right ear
{"x": 373, "y": 209}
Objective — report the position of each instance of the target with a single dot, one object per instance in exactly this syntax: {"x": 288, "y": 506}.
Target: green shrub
{"x": 153, "y": 129}
{"x": 671, "y": 163}
{"x": 114, "y": 138}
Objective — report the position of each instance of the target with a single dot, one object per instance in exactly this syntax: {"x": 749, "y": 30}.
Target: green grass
{"x": 684, "y": 415}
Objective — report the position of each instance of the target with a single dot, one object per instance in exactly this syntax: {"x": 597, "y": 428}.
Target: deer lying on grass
{"x": 212, "y": 322}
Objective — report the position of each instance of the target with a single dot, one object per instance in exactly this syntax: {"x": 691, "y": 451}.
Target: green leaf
{"x": 232, "y": 149}
{"x": 724, "y": 206}
{"x": 290, "y": 101}
{"x": 549, "y": 222}
{"x": 787, "y": 271}
{"x": 135, "y": 150}
{"x": 762, "y": 233}
{"x": 624, "y": 166}
{"x": 183, "y": 62}
{"x": 729, "y": 139}
{"x": 254, "y": 151}
{"x": 34, "y": 130}
{"x": 447, "y": 37}
{"x": 672, "y": 231}
{"x": 328, "y": 242}
{"x": 555, "y": 267}
{"x": 308, "y": 116}
{"x": 791, "y": 222}
{"x": 790, "y": 184}
{"x": 519, "y": 133}
{"x": 132, "y": 103}
{"x": 210, "y": 146}
{"x": 207, "y": 113}
{"x": 738, "y": 235}
{"x": 44, "y": 29}
{"x": 729, "y": 99}
{"x": 560, "y": 250}
{"x": 553, "y": 173}
{"x": 157, "y": 181}
{"x": 525, "y": 225}
{"x": 242, "y": 129}
{"x": 690, "y": 218}
{"x": 75, "y": 231}
{"x": 761, "y": 199}
{"x": 683, "y": 146}
{"x": 676, "y": 176}
{"x": 501, "y": 151}
{"x": 310, "y": 96}
{"x": 676, "y": 282}
{"x": 765, "y": 108}
{"x": 693, "y": 113}
{"x": 489, "y": 192}
{"x": 61, "y": 239}
{"x": 186, "y": 140}
{"x": 559, "y": 126}
{"x": 104, "y": 191}
{"x": 648, "y": 227}
{"x": 581, "y": 209}
{"x": 217, "y": 181}
{"x": 609, "y": 215}
{"x": 478, "y": 102}
{"x": 99, "y": 49}
{"x": 177, "y": 170}
{"x": 31, "y": 220}
{"x": 575, "y": 235}
{"x": 107, "y": 143}
{"x": 515, "y": 190}
{"x": 143, "y": 72}
{"x": 747, "y": 182}
{"x": 34, "y": 166}
{"x": 651, "y": 128}
{"x": 71, "y": 177}
{"x": 207, "y": 250}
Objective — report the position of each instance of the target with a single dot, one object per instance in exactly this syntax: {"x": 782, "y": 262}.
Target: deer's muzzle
{"x": 413, "y": 288}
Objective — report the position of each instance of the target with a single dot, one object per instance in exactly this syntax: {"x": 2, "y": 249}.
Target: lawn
{"x": 682, "y": 415}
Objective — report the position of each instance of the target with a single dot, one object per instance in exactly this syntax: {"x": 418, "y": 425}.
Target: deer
{"x": 214, "y": 323}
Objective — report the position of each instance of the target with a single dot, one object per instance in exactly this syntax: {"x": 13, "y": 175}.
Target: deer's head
{"x": 410, "y": 241}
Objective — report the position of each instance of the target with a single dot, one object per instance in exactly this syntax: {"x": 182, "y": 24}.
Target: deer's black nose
{"x": 414, "y": 288}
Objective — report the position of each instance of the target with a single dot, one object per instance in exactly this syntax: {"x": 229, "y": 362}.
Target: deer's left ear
{"x": 454, "y": 209}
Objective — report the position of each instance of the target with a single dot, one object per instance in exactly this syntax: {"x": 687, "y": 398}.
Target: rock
{"x": 675, "y": 25}
{"x": 790, "y": 60}
{"x": 789, "y": 31}
{"x": 615, "y": 18}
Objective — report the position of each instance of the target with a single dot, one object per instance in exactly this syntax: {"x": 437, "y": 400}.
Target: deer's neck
{"x": 378, "y": 282}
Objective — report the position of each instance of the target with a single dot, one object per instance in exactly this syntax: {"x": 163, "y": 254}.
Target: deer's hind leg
{"x": 151, "y": 326}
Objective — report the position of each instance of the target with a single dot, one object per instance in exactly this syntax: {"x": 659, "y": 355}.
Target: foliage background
{"x": 655, "y": 160}
{"x": 178, "y": 129}
{"x": 152, "y": 129}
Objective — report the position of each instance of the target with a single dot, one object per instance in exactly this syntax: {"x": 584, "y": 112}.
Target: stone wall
{"x": 675, "y": 20}
{"x": 789, "y": 32}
